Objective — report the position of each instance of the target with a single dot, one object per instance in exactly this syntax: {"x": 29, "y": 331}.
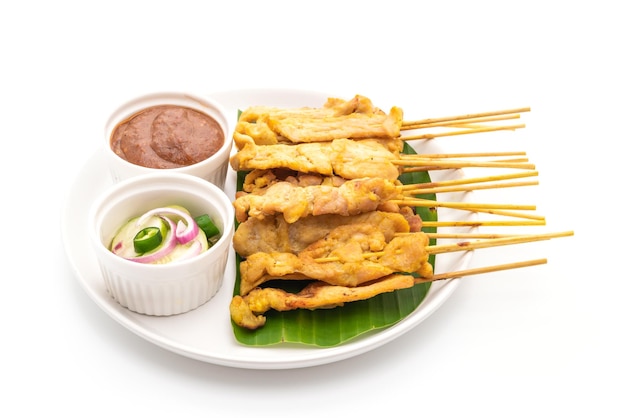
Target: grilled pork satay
{"x": 294, "y": 202}
{"x": 352, "y": 126}
{"x": 333, "y": 107}
{"x": 341, "y": 157}
{"x": 355, "y": 119}
{"x": 257, "y": 180}
{"x": 246, "y": 311}
{"x": 296, "y": 130}
{"x": 274, "y": 234}
{"x": 344, "y": 247}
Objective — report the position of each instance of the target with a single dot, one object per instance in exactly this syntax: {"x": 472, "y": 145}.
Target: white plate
{"x": 205, "y": 334}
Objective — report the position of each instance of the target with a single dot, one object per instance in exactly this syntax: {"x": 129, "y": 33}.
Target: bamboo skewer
{"x": 464, "y": 123}
{"x": 480, "y": 270}
{"x": 433, "y": 164}
{"x": 478, "y": 244}
{"x": 475, "y": 224}
{"x": 468, "y": 184}
{"x": 464, "y": 155}
{"x": 457, "y": 235}
{"x": 509, "y": 176}
{"x": 460, "y": 205}
{"x": 498, "y": 212}
{"x": 467, "y": 117}
{"x": 464, "y": 132}
{"x": 490, "y": 208}
{"x": 469, "y": 188}
{"x": 436, "y": 157}
{"x": 512, "y": 160}
{"x": 507, "y": 213}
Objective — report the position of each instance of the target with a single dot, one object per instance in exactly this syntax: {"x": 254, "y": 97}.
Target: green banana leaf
{"x": 331, "y": 327}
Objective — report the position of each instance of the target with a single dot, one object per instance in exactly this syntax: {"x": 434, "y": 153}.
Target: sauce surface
{"x": 167, "y": 136}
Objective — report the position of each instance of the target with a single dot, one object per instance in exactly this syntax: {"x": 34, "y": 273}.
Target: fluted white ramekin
{"x": 213, "y": 169}
{"x": 164, "y": 289}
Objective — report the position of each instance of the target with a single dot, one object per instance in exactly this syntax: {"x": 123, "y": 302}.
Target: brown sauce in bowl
{"x": 167, "y": 136}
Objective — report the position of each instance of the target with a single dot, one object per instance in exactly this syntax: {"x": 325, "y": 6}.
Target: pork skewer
{"x": 247, "y": 311}
{"x": 357, "y": 118}
{"x": 347, "y": 256}
{"x": 258, "y": 180}
{"x": 473, "y": 245}
{"x": 305, "y": 129}
{"x": 274, "y": 234}
{"x": 350, "y": 198}
{"x": 349, "y": 159}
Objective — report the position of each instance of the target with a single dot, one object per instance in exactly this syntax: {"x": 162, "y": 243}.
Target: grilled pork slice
{"x": 274, "y": 234}
{"x": 247, "y": 311}
{"x": 294, "y": 202}
{"x": 349, "y": 255}
{"x": 341, "y": 157}
{"x": 354, "y": 119}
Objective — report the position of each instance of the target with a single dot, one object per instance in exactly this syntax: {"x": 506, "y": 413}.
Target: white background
{"x": 544, "y": 341}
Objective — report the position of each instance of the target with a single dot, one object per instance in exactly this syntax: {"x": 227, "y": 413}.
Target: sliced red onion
{"x": 186, "y": 230}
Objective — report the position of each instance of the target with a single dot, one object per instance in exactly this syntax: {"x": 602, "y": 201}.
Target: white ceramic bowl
{"x": 164, "y": 289}
{"x": 213, "y": 169}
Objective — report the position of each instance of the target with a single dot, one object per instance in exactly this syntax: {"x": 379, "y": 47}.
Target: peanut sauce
{"x": 167, "y": 136}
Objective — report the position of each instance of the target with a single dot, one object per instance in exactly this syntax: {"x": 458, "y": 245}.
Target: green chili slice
{"x": 147, "y": 239}
{"x": 207, "y": 225}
